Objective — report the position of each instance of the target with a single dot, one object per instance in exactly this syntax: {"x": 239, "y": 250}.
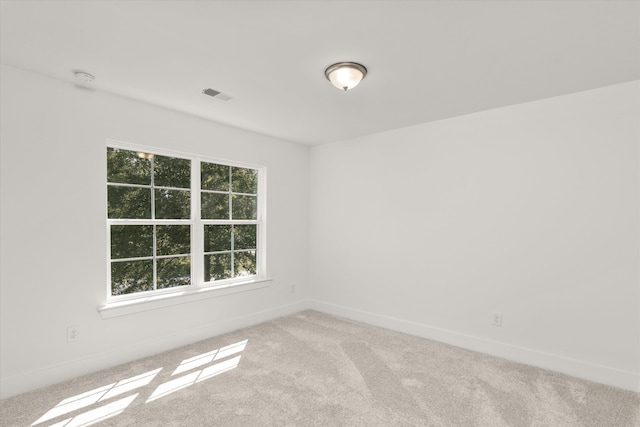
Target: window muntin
{"x": 147, "y": 186}
{"x": 229, "y": 212}
{"x": 147, "y": 189}
{"x": 161, "y": 237}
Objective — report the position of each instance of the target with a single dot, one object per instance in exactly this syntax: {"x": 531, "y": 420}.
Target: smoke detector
{"x": 84, "y": 78}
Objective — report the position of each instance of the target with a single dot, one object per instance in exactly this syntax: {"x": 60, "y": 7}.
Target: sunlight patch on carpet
{"x": 96, "y": 395}
{"x": 99, "y": 414}
{"x": 206, "y": 358}
{"x": 192, "y": 378}
{"x": 218, "y": 361}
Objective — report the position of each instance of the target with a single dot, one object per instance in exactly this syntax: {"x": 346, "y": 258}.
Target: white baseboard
{"x": 573, "y": 367}
{"x": 24, "y": 382}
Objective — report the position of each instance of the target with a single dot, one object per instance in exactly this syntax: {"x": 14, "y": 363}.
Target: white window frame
{"x": 122, "y": 304}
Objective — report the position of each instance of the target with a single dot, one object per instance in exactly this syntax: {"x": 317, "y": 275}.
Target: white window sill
{"x": 137, "y": 305}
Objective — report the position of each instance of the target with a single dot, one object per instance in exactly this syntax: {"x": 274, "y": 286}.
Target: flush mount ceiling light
{"x": 345, "y": 75}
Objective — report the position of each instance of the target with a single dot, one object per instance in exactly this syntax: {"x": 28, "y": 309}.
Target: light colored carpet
{"x": 312, "y": 369}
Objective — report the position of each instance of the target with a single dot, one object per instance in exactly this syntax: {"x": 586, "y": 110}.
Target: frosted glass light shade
{"x": 345, "y": 75}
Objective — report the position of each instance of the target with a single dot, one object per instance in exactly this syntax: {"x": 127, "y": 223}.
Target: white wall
{"x": 530, "y": 210}
{"x": 53, "y": 230}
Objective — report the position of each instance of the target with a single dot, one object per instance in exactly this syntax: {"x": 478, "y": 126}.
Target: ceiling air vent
{"x": 216, "y": 94}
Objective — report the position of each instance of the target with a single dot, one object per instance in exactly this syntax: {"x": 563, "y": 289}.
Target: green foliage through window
{"x": 146, "y": 187}
{"x": 229, "y": 193}
{"x": 230, "y": 251}
{"x": 152, "y": 226}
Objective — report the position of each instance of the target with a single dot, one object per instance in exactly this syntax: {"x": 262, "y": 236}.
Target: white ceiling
{"x": 427, "y": 60}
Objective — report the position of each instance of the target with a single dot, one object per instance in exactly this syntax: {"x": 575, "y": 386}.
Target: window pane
{"x": 126, "y": 167}
{"x": 174, "y": 272}
{"x": 244, "y": 180}
{"x": 173, "y": 204}
{"x": 244, "y": 263}
{"x": 131, "y": 241}
{"x": 244, "y": 236}
{"x": 129, "y": 202}
{"x": 245, "y": 207}
{"x": 215, "y": 206}
{"x": 173, "y": 239}
{"x": 217, "y": 238}
{"x": 214, "y": 177}
{"x": 171, "y": 172}
{"x": 128, "y": 277}
{"x": 217, "y": 267}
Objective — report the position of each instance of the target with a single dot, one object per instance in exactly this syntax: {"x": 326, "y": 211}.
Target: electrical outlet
{"x": 497, "y": 318}
{"x": 73, "y": 333}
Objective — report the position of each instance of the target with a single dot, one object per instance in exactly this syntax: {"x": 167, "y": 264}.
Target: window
{"x": 229, "y": 215}
{"x": 178, "y": 221}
